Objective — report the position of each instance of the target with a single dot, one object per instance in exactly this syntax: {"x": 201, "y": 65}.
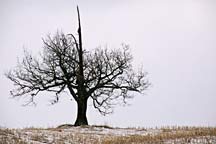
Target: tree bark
{"x": 81, "y": 112}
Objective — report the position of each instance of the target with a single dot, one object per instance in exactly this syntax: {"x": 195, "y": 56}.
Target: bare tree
{"x": 105, "y": 76}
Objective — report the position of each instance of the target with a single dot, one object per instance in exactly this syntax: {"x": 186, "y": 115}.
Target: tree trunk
{"x": 81, "y": 113}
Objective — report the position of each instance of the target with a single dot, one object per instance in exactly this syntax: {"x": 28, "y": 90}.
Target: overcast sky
{"x": 174, "y": 40}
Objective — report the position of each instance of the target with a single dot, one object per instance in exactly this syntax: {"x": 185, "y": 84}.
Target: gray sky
{"x": 174, "y": 40}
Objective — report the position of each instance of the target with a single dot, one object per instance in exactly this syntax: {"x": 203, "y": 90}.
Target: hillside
{"x": 67, "y": 134}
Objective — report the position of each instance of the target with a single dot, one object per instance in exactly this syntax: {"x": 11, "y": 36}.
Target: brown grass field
{"x": 67, "y": 134}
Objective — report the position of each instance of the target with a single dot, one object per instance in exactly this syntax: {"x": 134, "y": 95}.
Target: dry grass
{"x": 7, "y": 136}
{"x": 98, "y": 135}
{"x": 169, "y": 135}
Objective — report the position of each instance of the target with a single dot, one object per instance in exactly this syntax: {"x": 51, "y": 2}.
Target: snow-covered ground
{"x": 99, "y": 134}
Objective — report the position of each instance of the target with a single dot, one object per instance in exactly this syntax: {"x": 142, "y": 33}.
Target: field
{"x": 67, "y": 134}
